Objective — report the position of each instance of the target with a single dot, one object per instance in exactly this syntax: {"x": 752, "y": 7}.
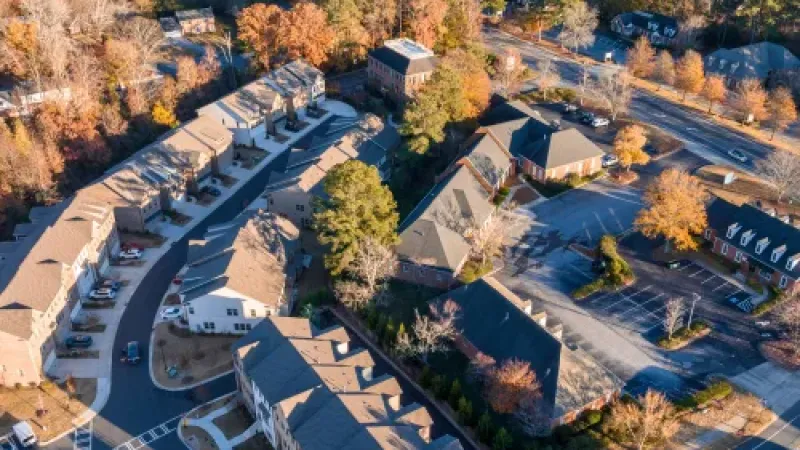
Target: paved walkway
{"x": 207, "y": 424}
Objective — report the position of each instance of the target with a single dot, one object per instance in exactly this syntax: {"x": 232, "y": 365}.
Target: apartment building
{"x": 291, "y": 193}
{"x": 400, "y": 67}
{"x": 240, "y": 273}
{"x": 659, "y": 29}
{"x": 53, "y": 263}
{"x": 196, "y": 21}
{"x": 764, "y": 246}
{"x": 312, "y": 389}
{"x": 260, "y": 111}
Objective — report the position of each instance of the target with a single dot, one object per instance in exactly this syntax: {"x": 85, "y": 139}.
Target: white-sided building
{"x": 255, "y": 112}
{"x": 240, "y": 273}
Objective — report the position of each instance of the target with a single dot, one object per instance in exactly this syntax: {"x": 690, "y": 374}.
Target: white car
{"x": 24, "y": 434}
{"x": 171, "y": 313}
{"x": 609, "y": 160}
{"x": 133, "y": 253}
{"x": 598, "y": 122}
{"x": 737, "y": 155}
{"x": 102, "y": 294}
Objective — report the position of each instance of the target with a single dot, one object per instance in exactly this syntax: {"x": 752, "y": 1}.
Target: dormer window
{"x": 747, "y": 236}
{"x": 761, "y": 245}
{"x": 732, "y": 230}
{"x": 791, "y": 263}
{"x": 777, "y": 253}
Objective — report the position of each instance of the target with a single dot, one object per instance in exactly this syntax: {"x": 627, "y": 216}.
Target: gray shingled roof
{"x": 561, "y": 148}
{"x": 751, "y": 61}
{"x": 403, "y": 64}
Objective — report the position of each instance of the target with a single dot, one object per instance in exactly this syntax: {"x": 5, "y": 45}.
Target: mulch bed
{"x": 781, "y": 353}
{"x": 524, "y": 195}
{"x": 624, "y": 177}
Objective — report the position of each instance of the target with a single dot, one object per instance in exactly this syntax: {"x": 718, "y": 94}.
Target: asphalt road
{"x": 709, "y": 139}
{"x": 135, "y": 404}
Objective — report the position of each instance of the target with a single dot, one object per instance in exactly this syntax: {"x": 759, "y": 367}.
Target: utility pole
{"x": 695, "y": 298}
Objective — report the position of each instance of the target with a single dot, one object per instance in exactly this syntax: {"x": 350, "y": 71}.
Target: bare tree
{"x": 511, "y": 385}
{"x": 486, "y": 240}
{"x": 615, "y": 91}
{"x": 226, "y": 46}
{"x": 145, "y": 38}
{"x": 352, "y": 294}
{"x": 431, "y": 333}
{"x": 750, "y": 100}
{"x": 647, "y": 422}
{"x": 782, "y": 170}
{"x": 579, "y": 22}
{"x": 373, "y": 263}
{"x": 789, "y": 317}
{"x": 673, "y": 316}
{"x": 548, "y": 77}
{"x": 508, "y": 69}
{"x": 533, "y": 417}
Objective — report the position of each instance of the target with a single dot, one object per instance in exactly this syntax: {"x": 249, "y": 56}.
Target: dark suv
{"x": 130, "y": 354}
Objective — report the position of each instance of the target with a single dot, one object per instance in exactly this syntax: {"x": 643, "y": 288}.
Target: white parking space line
{"x": 692, "y": 275}
{"x": 580, "y": 271}
{"x": 654, "y": 298}
{"x": 709, "y": 279}
{"x": 685, "y": 267}
{"x": 725, "y": 284}
{"x": 624, "y": 297}
{"x": 602, "y": 297}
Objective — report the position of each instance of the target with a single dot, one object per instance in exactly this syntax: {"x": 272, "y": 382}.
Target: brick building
{"x": 400, "y": 67}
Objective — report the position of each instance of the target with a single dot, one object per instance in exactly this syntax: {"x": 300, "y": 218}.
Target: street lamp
{"x": 695, "y": 298}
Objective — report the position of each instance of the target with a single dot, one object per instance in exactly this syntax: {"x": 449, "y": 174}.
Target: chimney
{"x": 366, "y": 373}
{"x": 343, "y": 348}
{"x": 394, "y": 402}
{"x": 556, "y": 331}
{"x": 540, "y": 318}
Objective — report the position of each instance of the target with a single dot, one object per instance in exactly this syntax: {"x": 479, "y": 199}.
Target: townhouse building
{"x": 291, "y": 193}
{"x": 764, "y": 247}
{"x": 54, "y": 261}
{"x": 661, "y": 30}
{"x": 196, "y": 21}
{"x": 262, "y": 110}
{"x": 312, "y": 389}
{"x": 400, "y": 68}
{"x": 240, "y": 273}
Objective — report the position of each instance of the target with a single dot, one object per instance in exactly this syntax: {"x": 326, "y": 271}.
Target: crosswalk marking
{"x": 7, "y": 442}
{"x": 151, "y": 435}
{"x": 82, "y": 439}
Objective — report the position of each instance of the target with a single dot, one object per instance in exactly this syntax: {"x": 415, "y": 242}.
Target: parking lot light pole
{"x": 695, "y": 298}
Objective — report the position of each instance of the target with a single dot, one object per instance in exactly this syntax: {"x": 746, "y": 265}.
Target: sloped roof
{"x": 432, "y": 234}
{"x": 751, "y": 61}
{"x": 488, "y": 159}
{"x": 190, "y": 14}
{"x": 254, "y": 260}
{"x": 650, "y": 22}
{"x": 327, "y": 400}
{"x": 561, "y": 148}
{"x": 490, "y": 319}
{"x": 722, "y": 214}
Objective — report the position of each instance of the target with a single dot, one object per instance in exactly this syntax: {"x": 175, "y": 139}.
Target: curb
{"x": 179, "y": 429}
{"x": 101, "y": 397}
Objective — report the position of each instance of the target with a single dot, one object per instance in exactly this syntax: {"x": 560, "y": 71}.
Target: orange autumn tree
{"x": 675, "y": 209}
{"x": 427, "y": 19}
{"x": 257, "y": 27}
{"x": 510, "y": 385}
{"x": 305, "y": 33}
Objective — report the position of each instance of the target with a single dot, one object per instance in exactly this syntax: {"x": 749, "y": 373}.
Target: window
{"x": 707, "y": 234}
{"x": 232, "y": 312}
{"x": 738, "y": 257}
{"x": 724, "y": 249}
{"x": 252, "y": 313}
{"x": 784, "y": 281}
{"x": 21, "y": 373}
{"x": 248, "y": 327}
{"x": 300, "y": 207}
{"x": 405, "y": 268}
{"x": 761, "y": 246}
{"x": 191, "y": 310}
{"x": 236, "y": 326}
{"x": 209, "y": 325}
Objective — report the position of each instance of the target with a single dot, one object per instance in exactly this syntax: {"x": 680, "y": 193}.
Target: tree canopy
{"x": 357, "y": 206}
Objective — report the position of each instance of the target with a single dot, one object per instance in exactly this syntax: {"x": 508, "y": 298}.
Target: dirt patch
{"x": 257, "y": 442}
{"x": 197, "y": 357}
{"x": 234, "y": 423}
{"x": 177, "y": 218}
{"x": 22, "y": 404}
{"x": 782, "y": 353}
{"x": 624, "y": 177}
{"x": 204, "y": 199}
{"x": 226, "y": 180}
{"x": 198, "y": 439}
{"x": 747, "y": 406}
{"x": 143, "y": 240}
{"x": 524, "y": 195}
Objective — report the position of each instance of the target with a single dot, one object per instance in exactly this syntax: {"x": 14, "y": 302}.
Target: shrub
{"x": 565, "y": 94}
{"x": 464, "y": 411}
{"x": 717, "y": 391}
{"x": 425, "y": 378}
{"x": 455, "y": 394}
{"x": 389, "y": 334}
{"x": 473, "y": 270}
{"x": 574, "y": 180}
{"x": 440, "y": 387}
{"x": 485, "y": 428}
{"x": 588, "y": 419}
{"x": 589, "y": 289}
{"x": 502, "y": 440}
{"x": 755, "y": 285}
{"x": 372, "y": 318}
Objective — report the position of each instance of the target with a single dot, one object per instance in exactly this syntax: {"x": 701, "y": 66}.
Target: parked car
{"x": 102, "y": 294}
{"x": 609, "y": 160}
{"x": 738, "y": 155}
{"x": 130, "y": 353}
{"x": 23, "y": 433}
{"x": 131, "y": 245}
{"x": 587, "y": 117}
{"x": 78, "y": 341}
{"x": 171, "y": 313}
{"x": 673, "y": 264}
{"x": 133, "y": 253}
{"x": 211, "y": 190}
{"x": 109, "y": 284}
{"x": 598, "y": 122}
{"x": 569, "y": 108}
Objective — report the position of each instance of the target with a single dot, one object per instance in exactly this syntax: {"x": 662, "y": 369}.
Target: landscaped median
{"x": 684, "y": 336}
{"x": 616, "y": 271}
